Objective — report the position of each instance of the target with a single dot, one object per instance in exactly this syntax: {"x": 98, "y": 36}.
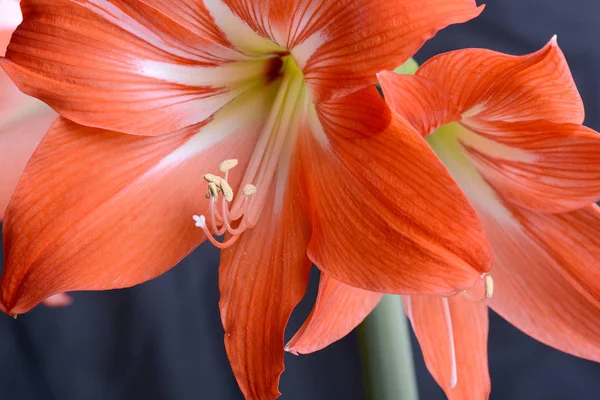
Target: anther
{"x": 249, "y": 190}
{"x": 212, "y": 192}
{"x": 227, "y": 165}
{"x": 210, "y": 178}
{"x": 489, "y": 286}
{"x": 221, "y": 184}
{"x": 227, "y": 191}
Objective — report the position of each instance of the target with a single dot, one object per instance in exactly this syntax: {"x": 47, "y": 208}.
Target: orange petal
{"x": 338, "y": 310}
{"x": 419, "y": 100}
{"x": 23, "y": 122}
{"x": 58, "y": 300}
{"x": 539, "y": 165}
{"x": 98, "y": 209}
{"x": 262, "y": 278}
{"x": 342, "y": 45}
{"x": 387, "y": 216}
{"x": 453, "y": 326}
{"x": 496, "y": 86}
{"x": 546, "y": 276}
{"x": 131, "y": 68}
{"x": 193, "y": 16}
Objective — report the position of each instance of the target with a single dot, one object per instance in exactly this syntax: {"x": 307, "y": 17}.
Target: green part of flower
{"x": 409, "y": 67}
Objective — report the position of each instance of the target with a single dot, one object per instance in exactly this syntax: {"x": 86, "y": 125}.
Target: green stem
{"x": 386, "y": 353}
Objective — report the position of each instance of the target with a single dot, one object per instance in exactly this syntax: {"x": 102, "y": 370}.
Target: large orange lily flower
{"x": 511, "y": 136}
{"x": 23, "y": 122}
{"x": 273, "y": 104}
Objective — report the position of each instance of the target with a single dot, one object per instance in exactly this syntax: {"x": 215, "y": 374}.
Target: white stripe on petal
{"x": 238, "y": 32}
{"x": 492, "y": 147}
{"x": 306, "y": 49}
{"x": 120, "y": 18}
{"x": 247, "y": 110}
{"x": 224, "y": 75}
{"x": 452, "y": 154}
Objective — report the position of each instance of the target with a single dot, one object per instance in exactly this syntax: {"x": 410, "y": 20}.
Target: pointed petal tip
{"x": 289, "y": 348}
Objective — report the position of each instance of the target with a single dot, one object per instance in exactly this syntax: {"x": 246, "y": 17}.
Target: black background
{"x": 163, "y": 339}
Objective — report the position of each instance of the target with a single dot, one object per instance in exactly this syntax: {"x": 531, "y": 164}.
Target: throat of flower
{"x": 232, "y": 214}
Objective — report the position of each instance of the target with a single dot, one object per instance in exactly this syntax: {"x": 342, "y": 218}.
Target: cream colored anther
{"x": 227, "y": 191}
{"x": 210, "y": 178}
{"x": 212, "y": 192}
{"x": 227, "y": 165}
{"x": 249, "y": 190}
{"x": 221, "y": 185}
{"x": 489, "y": 286}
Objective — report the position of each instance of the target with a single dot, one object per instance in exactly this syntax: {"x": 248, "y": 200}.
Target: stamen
{"x": 221, "y": 223}
{"x": 489, "y": 286}
{"x": 226, "y": 165}
{"x": 453, "y": 374}
{"x": 210, "y": 178}
{"x": 249, "y": 190}
{"x": 221, "y": 184}
{"x": 213, "y": 191}
{"x": 201, "y": 223}
{"x": 227, "y": 191}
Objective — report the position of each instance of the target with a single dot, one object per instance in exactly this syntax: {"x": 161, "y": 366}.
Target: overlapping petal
{"x": 125, "y": 65}
{"x": 376, "y": 225}
{"x": 120, "y": 214}
{"x": 338, "y": 310}
{"x": 539, "y": 165}
{"x": 324, "y": 36}
{"x": 546, "y": 276}
{"x": 483, "y": 83}
{"x": 20, "y": 133}
{"x": 262, "y": 278}
{"x": 419, "y": 100}
{"x": 453, "y": 334}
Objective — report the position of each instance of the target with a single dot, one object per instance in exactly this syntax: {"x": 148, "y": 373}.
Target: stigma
{"x": 225, "y": 217}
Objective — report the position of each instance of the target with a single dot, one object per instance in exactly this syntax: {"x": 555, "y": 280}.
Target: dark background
{"x": 163, "y": 340}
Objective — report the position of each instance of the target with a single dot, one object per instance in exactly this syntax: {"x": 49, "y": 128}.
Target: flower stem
{"x": 386, "y": 353}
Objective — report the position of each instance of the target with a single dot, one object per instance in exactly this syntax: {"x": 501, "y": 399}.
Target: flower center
{"x": 233, "y": 214}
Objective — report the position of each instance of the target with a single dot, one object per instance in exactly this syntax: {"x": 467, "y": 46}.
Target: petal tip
{"x": 290, "y": 349}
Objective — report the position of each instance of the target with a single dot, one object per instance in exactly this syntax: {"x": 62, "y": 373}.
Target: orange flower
{"x": 511, "y": 136}
{"x": 274, "y": 105}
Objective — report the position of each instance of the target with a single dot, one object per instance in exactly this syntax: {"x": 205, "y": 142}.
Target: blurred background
{"x": 164, "y": 340}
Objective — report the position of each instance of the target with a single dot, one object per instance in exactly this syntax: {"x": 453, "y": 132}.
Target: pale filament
{"x": 453, "y": 374}
{"x": 488, "y": 292}
{"x": 220, "y": 223}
